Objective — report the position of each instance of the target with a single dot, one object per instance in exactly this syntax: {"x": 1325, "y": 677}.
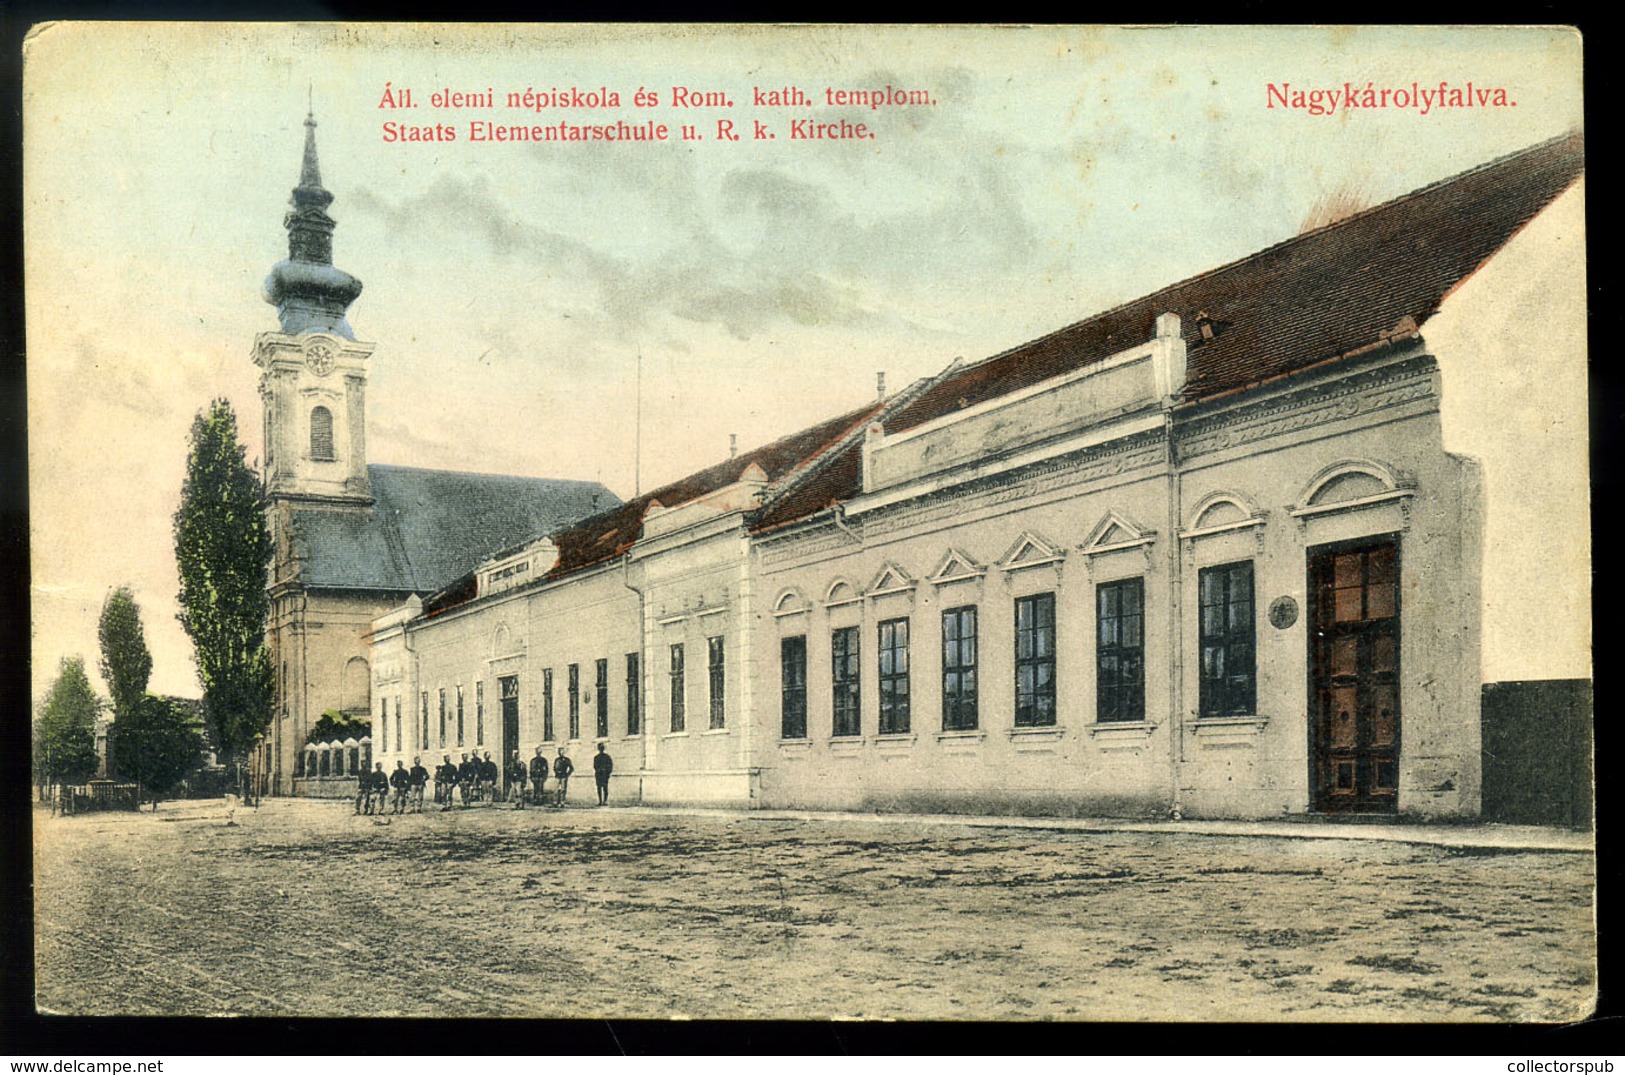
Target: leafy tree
{"x": 223, "y": 553}
{"x": 65, "y": 734}
{"x": 126, "y": 661}
{"x": 155, "y": 745}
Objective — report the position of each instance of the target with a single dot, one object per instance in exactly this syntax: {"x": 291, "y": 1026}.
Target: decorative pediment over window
{"x": 1115, "y": 532}
{"x": 1031, "y": 550}
{"x": 653, "y": 507}
{"x": 1222, "y": 512}
{"x": 840, "y": 592}
{"x": 790, "y": 603}
{"x": 891, "y": 579}
{"x": 957, "y": 565}
{"x": 753, "y": 473}
{"x": 1353, "y": 483}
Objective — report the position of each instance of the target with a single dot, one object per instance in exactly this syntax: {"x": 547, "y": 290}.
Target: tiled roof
{"x": 1314, "y": 297}
{"x": 428, "y": 527}
{"x": 612, "y": 533}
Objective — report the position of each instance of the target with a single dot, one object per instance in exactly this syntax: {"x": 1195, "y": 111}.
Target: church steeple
{"x": 309, "y": 293}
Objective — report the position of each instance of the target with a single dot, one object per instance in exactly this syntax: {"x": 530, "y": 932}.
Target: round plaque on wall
{"x": 1283, "y": 613}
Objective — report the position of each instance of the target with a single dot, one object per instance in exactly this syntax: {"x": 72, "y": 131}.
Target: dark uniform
{"x": 445, "y": 781}
{"x": 602, "y": 766}
{"x": 401, "y": 781}
{"x": 363, "y": 791}
{"x": 468, "y": 775}
{"x": 538, "y": 777}
{"x": 490, "y": 778}
{"x": 420, "y": 777}
{"x": 517, "y": 775}
{"x": 379, "y": 799}
{"x": 562, "y": 768}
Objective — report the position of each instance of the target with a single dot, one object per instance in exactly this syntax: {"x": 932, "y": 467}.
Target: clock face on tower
{"x": 319, "y": 357}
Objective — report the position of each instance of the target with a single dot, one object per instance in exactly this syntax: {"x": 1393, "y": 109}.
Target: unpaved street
{"x": 302, "y": 908}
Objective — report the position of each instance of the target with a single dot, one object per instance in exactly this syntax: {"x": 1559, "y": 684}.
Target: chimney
{"x": 733, "y": 445}
{"x": 880, "y": 385}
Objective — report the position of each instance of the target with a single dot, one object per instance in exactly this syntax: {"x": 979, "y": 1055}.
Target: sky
{"x": 515, "y": 289}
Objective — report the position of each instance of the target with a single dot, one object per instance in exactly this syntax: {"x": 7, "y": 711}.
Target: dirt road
{"x": 302, "y": 908}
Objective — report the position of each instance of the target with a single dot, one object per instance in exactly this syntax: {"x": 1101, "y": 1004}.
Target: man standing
{"x": 562, "y": 768}
{"x": 445, "y": 782}
{"x": 419, "y": 776}
{"x": 363, "y": 791}
{"x": 602, "y": 766}
{"x": 378, "y": 799}
{"x": 538, "y": 776}
{"x": 401, "y": 781}
{"x": 517, "y": 774}
{"x": 468, "y": 776}
{"x": 491, "y": 778}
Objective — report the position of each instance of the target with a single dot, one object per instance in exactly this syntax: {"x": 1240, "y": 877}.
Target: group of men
{"x": 404, "y": 786}
{"x": 476, "y": 779}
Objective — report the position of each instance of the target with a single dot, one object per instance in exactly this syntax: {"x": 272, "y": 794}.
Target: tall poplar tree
{"x": 126, "y": 661}
{"x": 65, "y": 733}
{"x": 223, "y": 553}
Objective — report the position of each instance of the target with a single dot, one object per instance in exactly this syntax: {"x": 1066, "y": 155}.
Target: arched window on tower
{"x": 321, "y": 433}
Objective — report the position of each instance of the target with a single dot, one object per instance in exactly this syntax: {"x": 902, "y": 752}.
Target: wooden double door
{"x": 1354, "y": 668}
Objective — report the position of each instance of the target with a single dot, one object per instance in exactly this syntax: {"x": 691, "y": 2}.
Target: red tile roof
{"x": 1309, "y": 299}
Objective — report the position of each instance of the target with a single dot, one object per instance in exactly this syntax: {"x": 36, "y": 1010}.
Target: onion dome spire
{"x": 309, "y": 293}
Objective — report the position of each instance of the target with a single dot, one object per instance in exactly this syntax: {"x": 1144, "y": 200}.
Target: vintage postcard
{"x": 1024, "y": 523}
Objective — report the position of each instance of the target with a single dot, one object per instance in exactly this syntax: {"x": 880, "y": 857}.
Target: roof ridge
{"x": 1501, "y": 161}
{"x": 485, "y": 474}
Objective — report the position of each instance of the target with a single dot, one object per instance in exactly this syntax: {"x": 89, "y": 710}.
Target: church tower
{"x": 313, "y": 387}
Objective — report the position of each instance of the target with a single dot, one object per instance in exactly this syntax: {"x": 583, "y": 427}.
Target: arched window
{"x": 355, "y": 687}
{"x": 321, "y": 433}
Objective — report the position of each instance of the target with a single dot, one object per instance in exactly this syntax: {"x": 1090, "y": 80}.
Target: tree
{"x": 65, "y": 733}
{"x": 126, "y": 661}
{"x": 223, "y": 553}
{"x": 155, "y": 745}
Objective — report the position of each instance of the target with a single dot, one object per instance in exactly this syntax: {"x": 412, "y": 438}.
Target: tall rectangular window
{"x": 459, "y": 714}
{"x": 634, "y": 695}
{"x": 715, "y": 669}
{"x": 601, "y": 690}
{"x": 1228, "y": 666}
{"x": 400, "y": 743}
{"x": 677, "y": 687}
{"x": 844, "y": 667}
{"x": 894, "y": 695}
{"x": 383, "y": 719}
{"x": 479, "y": 712}
{"x": 442, "y": 716}
{"x": 573, "y": 694}
{"x": 423, "y": 716}
{"x": 1035, "y": 661}
{"x": 959, "y": 669}
{"x": 793, "y": 687}
{"x": 1120, "y": 650}
{"x": 547, "y": 705}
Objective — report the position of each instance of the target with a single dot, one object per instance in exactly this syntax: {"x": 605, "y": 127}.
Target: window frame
{"x": 572, "y": 693}
{"x": 793, "y": 696}
{"x": 1227, "y": 693}
{"x": 601, "y": 701}
{"x": 1119, "y": 696}
{"x": 547, "y": 706}
{"x": 316, "y": 436}
{"x": 716, "y": 669}
{"x": 846, "y": 681}
{"x": 679, "y": 687}
{"x": 634, "y": 693}
{"x": 1032, "y": 701}
{"x": 895, "y": 694}
{"x": 960, "y": 703}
